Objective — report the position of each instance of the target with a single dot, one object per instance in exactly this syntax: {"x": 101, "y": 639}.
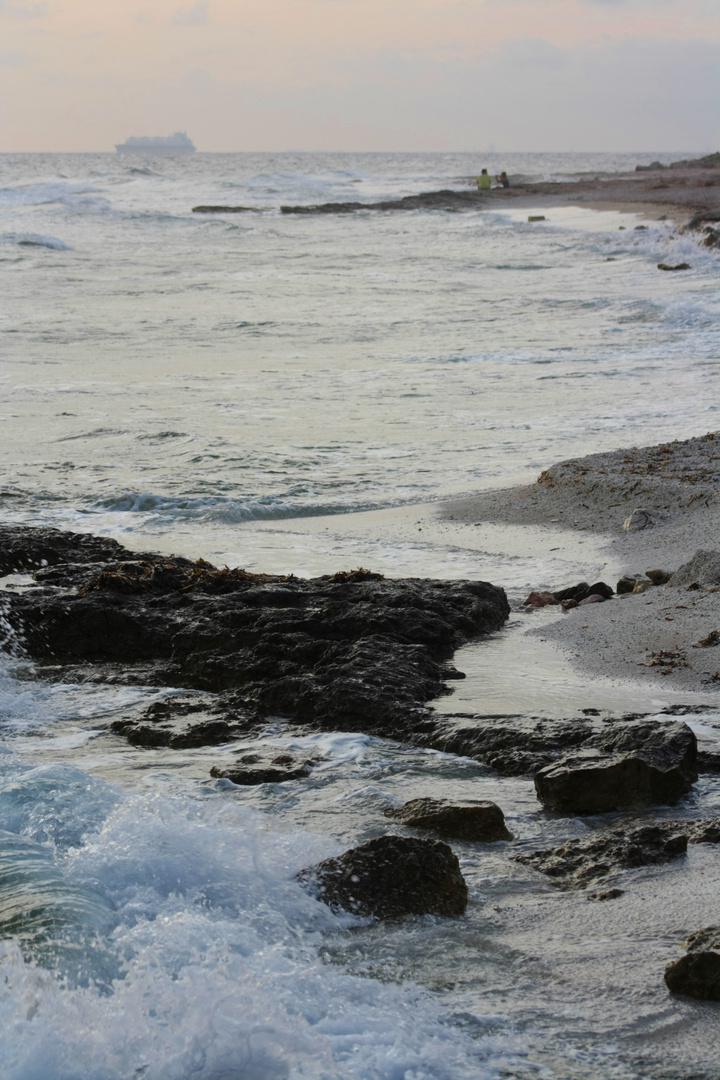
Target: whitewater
{"x": 251, "y": 389}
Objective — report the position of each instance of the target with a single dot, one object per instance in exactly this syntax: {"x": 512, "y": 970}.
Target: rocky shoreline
{"x": 688, "y": 194}
{"x": 354, "y": 651}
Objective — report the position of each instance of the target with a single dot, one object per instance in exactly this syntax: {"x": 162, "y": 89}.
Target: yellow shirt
{"x": 483, "y": 181}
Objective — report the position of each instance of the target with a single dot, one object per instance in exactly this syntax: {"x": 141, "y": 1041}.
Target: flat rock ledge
{"x": 391, "y": 877}
{"x": 579, "y": 862}
{"x": 349, "y": 650}
{"x": 483, "y": 822}
{"x": 697, "y": 974}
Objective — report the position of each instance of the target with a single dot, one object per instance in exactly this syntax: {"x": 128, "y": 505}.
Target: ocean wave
{"x": 216, "y": 508}
{"x": 35, "y": 240}
{"x": 75, "y": 196}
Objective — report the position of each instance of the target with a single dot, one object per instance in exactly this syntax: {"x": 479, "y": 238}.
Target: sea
{"x": 253, "y": 388}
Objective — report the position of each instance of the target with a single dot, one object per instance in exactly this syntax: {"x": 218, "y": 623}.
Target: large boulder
{"x": 390, "y": 877}
{"x": 697, "y": 974}
{"x": 480, "y": 821}
{"x": 626, "y": 768}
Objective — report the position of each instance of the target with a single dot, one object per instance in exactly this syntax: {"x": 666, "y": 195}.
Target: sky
{"x": 634, "y": 75}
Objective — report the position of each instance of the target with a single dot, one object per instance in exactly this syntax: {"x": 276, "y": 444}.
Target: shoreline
{"x": 549, "y": 534}
{"x": 653, "y": 636}
{"x": 674, "y": 195}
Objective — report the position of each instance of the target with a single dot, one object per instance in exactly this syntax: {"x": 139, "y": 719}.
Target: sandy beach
{"x": 654, "y": 635}
{"x": 673, "y": 194}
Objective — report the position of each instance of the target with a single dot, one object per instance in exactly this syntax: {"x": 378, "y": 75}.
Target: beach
{"x": 276, "y": 487}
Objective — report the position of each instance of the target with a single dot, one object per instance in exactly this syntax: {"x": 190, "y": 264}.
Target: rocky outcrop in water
{"x": 697, "y": 974}
{"x": 429, "y": 200}
{"x": 622, "y": 768}
{"x": 481, "y": 821}
{"x": 390, "y": 877}
{"x": 578, "y": 862}
{"x": 26, "y": 549}
{"x": 350, "y": 650}
{"x": 251, "y": 769}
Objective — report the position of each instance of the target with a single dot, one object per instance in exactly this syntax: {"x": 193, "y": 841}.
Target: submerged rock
{"x": 578, "y": 862}
{"x": 635, "y": 766}
{"x": 481, "y": 821}
{"x": 697, "y": 974}
{"x": 390, "y": 877}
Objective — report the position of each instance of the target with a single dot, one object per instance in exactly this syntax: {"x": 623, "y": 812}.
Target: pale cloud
{"x": 23, "y": 9}
{"x": 196, "y": 15}
{"x": 11, "y": 59}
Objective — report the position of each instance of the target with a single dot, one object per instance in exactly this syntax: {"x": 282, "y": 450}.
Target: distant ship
{"x": 178, "y": 143}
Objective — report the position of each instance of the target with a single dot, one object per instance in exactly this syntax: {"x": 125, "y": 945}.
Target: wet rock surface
{"x": 624, "y": 768}
{"x": 24, "y": 549}
{"x": 350, "y": 650}
{"x": 697, "y": 974}
{"x": 481, "y": 821}
{"x": 578, "y": 862}
{"x": 514, "y": 745}
{"x": 252, "y": 769}
{"x": 390, "y": 877}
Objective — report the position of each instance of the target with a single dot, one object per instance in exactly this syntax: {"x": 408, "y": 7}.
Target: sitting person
{"x": 483, "y": 181}
{"x": 502, "y": 179}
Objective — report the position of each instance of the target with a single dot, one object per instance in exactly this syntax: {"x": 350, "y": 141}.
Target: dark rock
{"x": 28, "y": 549}
{"x": 627, "y": 583}
{"x": 512, "y": 745}
{"x": 658, "y": 577}
{"x": 539, "y": 599}
{"x": 515, "y": 745}
{"x": 652, "y": 167}
{"x": 429, "y": 200}
{"x": 697, "y": 974}
{"x": 481, "y": 821}
{"x": 630, "y": 767}
{"x": 253, "y": 769}
{"x": 391, "y": 876}
{"x": 582, "y": 591}
{"x": 224, "y": 209}
{"x": 606, "y": 894}
{"x": 347, "y": 651}
{"x": 701, "y": 218}
{"x": 183, "y": 724}
{"x": 678, "y": 266}
{"x": 577, "y": 862}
